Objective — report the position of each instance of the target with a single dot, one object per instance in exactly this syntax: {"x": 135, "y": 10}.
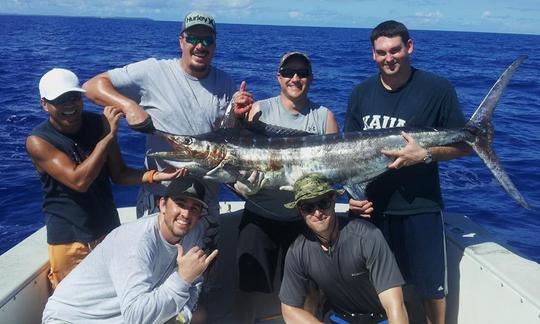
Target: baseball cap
{"x": 311, "y": 186}
{"x": 56, "y": 82}
{"x": 290, "y": 55}
{"x": 198, "y": 18}
{"x": 187, "y": 187}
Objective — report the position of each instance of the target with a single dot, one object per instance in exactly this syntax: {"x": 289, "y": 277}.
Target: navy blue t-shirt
{"x": 74, "y": 216}
{"x": 425, "y": 100}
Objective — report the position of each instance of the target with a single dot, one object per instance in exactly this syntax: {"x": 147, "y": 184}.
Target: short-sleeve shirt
{"x": 425, "y": 100}
{"x": 351, "y": 274}
{"x": 178, "y": 104}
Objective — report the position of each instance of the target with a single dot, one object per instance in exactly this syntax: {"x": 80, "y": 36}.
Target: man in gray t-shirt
{"x": 348, "y": 259}
{"x": 186, "y": 96}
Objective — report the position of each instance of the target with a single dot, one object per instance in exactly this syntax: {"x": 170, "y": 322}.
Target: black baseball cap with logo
{"x": 187, "y": 187}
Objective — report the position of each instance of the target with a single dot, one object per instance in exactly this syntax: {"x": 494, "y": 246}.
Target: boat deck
{"x": 487, "y": 282}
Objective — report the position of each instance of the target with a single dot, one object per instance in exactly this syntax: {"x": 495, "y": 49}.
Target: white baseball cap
{"x": 56, "y": 82}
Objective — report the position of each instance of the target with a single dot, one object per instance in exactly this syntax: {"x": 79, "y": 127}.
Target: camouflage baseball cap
{"x": 311, "y": 186}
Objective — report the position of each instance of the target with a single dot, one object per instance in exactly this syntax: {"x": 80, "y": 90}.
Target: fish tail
{"x": 481, "y": 126}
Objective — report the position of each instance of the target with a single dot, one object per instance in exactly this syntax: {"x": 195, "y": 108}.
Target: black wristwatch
{"x": 428, "y": 158}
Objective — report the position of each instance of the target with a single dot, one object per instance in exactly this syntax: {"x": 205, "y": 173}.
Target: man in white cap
{"x": 147, "y": 271}
{"x": 75, "y": 154}
{"x": 267, "y": 228}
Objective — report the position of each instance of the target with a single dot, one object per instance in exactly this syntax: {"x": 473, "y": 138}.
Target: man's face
{"x": 292, "y": 78}
{"x": 65, "y": 111}
{"x": 177, "y": 217}
{"x": 391, "y": 54}
{"x": 319, "y": 213}
{"x": 197, "y": 52}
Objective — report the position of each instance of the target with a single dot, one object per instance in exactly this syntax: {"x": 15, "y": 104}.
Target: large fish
{"x": 352, "y": 159}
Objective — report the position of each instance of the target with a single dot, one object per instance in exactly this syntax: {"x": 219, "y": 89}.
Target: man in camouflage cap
{"x": 347, "y": 258}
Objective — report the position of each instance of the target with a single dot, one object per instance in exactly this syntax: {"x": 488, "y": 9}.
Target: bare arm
{"x": 392, "y": 301}
{"x": 297, "y": 315}
{"x": 100, "y": 90}
{"x": 413, "y": 153}
{"x": 254, "y": 113}
{"x": 47, "y": 158}
{"x": 331, "y": 124}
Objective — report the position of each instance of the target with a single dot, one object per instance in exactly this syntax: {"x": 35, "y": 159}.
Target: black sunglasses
{"x": 205, "y": 40}
{"x": 66, "y": 98}
{"x": 321, "y": 204}
{"x": 289, "y": 73}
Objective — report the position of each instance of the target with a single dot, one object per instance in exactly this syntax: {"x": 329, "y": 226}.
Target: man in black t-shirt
{"x": 406, "y": 203}
{"x": 348, "y": 259}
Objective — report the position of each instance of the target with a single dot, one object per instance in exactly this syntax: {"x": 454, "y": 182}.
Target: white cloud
{"x": 486, "y": 14}
{"x": 295, "y": 14}
{"x": 429, "y": 17}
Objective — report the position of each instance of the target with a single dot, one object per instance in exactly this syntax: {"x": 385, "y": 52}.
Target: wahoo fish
{"x": 352, "y": 159}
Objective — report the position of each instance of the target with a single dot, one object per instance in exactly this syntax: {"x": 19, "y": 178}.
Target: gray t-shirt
{"x": 130, "y": 277}
{"x": 312, "y": 119}
{"x": 178, "y": 104}
{"x": 358, "y": 267}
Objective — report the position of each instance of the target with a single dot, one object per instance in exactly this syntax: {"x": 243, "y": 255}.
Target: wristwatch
{"x": 428, "y": 158}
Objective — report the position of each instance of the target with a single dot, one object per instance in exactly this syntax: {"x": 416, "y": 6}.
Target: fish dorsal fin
{"x": 268, "y": 130}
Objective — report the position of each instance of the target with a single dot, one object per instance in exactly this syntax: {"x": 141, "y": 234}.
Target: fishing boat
{"x": 487, "y": 282}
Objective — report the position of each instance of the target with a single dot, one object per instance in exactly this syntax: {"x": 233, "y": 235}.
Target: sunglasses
{"x": 289, "y": 73}
{"x": 321, "y": 204}
{"x": 66, "y": 98}
{"x": 205, "y": 40}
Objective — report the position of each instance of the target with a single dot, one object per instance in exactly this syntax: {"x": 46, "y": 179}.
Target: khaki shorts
{"x": 64, "y": 257}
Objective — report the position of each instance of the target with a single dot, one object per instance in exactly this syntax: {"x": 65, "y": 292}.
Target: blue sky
{"x": 500, "y": 16}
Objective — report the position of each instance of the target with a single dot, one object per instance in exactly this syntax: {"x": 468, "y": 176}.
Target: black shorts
{"x": 261, "y": 241}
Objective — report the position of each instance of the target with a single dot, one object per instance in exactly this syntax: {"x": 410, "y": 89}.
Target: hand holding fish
{"x": 169, "y": 173}
{"x": 192, "y": 264}
{"x": 362, "y": 208}
{"x": 250, "y": 182}
{"x": 243, "y": 101}
{"x": 411, "y": 154}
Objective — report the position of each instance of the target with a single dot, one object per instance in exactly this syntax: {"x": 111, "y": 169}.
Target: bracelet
{"x": 148, "y": 176}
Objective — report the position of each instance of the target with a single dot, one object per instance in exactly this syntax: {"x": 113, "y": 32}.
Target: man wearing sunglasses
{"x": 75, "y": 154}
{"x": 267, "y": 228}
{"x": 347, "y": 258}
{"x": 185, "y": 96}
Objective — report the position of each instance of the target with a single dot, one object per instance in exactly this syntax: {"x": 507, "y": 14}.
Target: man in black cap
{"x": 347, "y": 258}
{"x": 146, "y": 271}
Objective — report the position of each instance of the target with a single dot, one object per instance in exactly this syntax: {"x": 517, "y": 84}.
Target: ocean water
{"x": 341, "y": 57}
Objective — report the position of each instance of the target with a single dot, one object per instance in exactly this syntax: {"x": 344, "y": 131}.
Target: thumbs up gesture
{"x": 192, "y": 264}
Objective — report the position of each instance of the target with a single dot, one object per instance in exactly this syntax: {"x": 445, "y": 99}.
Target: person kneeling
{"x": 141, "y": 272}
{"x": 348, "y": 259}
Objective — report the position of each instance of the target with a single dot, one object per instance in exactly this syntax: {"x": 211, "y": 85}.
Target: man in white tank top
{"x": 267, "y": 228}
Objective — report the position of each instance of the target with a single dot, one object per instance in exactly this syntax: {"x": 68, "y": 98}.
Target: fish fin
{"x": 268, "y": 130}
{"x": 357, "y": 191}
{"x": 481, "y": 125}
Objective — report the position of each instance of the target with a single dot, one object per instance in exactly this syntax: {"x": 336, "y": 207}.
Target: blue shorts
{"x": 418, "y": 243}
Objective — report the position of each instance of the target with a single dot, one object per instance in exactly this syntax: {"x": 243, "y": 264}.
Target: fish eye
{"x": 188, "y": 141}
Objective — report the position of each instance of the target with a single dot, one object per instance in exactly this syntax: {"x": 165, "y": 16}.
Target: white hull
{"x": 487, "y": 282}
